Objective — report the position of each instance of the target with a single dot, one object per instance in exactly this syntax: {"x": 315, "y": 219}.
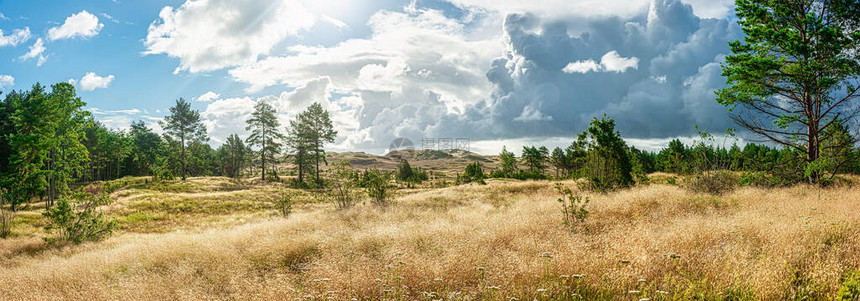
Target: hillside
{"x": 214, "y": 238}
{"x": 433, "y": 160}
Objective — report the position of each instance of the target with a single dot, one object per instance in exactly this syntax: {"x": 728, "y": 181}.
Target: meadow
{"x": 221, "y": 239}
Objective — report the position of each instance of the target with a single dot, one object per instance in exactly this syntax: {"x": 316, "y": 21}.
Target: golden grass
{"x": 496, "y": 241}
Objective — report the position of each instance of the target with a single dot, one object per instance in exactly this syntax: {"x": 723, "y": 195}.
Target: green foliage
{"x": 233, "y": 155}
{"x": 342, "y": 188}
{"x": 184, "y": 125}
{"x": 285, "y": 205}
{"x": 307, "y": 136}
{"x": 265, "y": 134}
{"x": 795, "y": 72}
{"x": 715, "y": 182}
{"x": 378, "y": 185}
{"x": 535, "y": 158}
{"x": 7, "y": 218}
{"x": 508, "y": 161}
{"x": 849, "y": 289}
{"x": 406, "y": 173}
{"x": 608, "y": 164}
{"x": 572, "y": 207}
{"x": 78, "y": 222}
{"x": 474, "y": 173}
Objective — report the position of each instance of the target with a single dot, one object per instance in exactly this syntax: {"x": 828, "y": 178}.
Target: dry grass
{"x": 477, "y": 242}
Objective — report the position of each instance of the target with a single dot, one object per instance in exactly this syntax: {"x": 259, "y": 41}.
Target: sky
{"x": 495, "y": 72}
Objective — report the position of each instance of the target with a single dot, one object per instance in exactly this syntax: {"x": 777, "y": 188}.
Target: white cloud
{"x": 3, "y": 17}
{"x": 214, "y": 34}
{"x": 557, "y": 9}
{"x": 109, "y": 17}
{"x": 416, "y": 67}
{"x": 36, "y": 51}
{"x": 6, "y": 80}
{"x": 17, "y": 37}
{"x": 91, "y": 81}
{"x": 610, "y": 62}
{"x": 82, "y": 24}
{"x": 208, "y": 96}
{"x": 582, "y": 67}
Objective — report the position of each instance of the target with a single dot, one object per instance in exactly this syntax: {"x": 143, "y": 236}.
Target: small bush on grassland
{"x": 6, "y": 219}
{"x": 285, "y": 205}
{"x": 473, "y": 173}
{"x": 378, "y": 186}
{"x": 572, "y": 207}
{"x": 342, "y": 188}
{"x": 713, "y": 182}
{"x": 79, "y": 222}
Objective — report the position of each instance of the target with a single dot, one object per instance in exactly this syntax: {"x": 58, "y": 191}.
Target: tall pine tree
{"x": 184, "y": 125}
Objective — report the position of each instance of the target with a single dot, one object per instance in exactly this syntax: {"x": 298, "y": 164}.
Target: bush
{"x": 80, "y": 222}
{"x": 519, "y": 175}
{"x": 342, "y": 188}
{"x": 713, "y": 182}
{"x": 285, "y": 205}
{"x": 850, "y": 287}
{"x": 6, "y": 220}
{"x": 572, "y": 207}
{"x": 474, "y": 173}
{"x": 378, "y": 186}
{"x": 406, "y": 173}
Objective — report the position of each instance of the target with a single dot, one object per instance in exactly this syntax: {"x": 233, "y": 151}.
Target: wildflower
{"x": 564, "y": 276}
{"x": 645, "y": 299}
{"x": 541, "y": 290}
{"x": 480, "y": 269}
{"x": 634, "y": 292}
{"x": 641, "y": 280}
{"x": 513, "y": 299}
{"x": 662, "y": 292}
{"x": 493, "y": 287}
{"x": 401, "y": 263}
{"x": 578, "y": 276}
{"x": 438, "y": 279}
{"x": 624, "y": 261}
{"x": 546, "y": 255}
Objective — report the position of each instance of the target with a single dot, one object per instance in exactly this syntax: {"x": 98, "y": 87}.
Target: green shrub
{"x": 572, "y": 207}
{"x": 406, "y": 173}
{"x": 342, "y": 187}
{"x": 79, "y": 222}
{"x": 378, "y": 186}
{"x": 285, "y": 205}
{"x": 474, "y": 173}
{"x": 6, "y": 220}
{"x": 850, "y": 287}
{"x": 713, "y": 182}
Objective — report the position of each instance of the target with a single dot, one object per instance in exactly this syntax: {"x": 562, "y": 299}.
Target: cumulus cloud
{"x": 17, "y": 37}
{"x": 208, "y": 96}
{"x": 591, "y": 8}
{"x": 416, "y": 67}
{"x": 610, "y": 62}
{"x": 37, "y": 51}
{"x": 82, "y": 24}
{"x": 6, "y": 80}
{"x": 214, "y": 34}
{"x": 91, "y": 81}
{"x": 670, "y": 70}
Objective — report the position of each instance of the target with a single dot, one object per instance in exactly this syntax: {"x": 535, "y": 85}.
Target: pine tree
{"x": 184, "y": 125}
{"x": 264, "y": 125}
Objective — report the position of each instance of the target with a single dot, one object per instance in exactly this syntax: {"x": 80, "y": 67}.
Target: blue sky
{"x": 496, "y": 72}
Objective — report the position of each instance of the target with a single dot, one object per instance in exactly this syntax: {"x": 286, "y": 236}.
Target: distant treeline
{"x": 48, "y": 142}
{"x": 600, "y": 155}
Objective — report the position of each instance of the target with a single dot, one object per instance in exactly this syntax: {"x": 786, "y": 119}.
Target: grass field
{"x": 213, "y": 238}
